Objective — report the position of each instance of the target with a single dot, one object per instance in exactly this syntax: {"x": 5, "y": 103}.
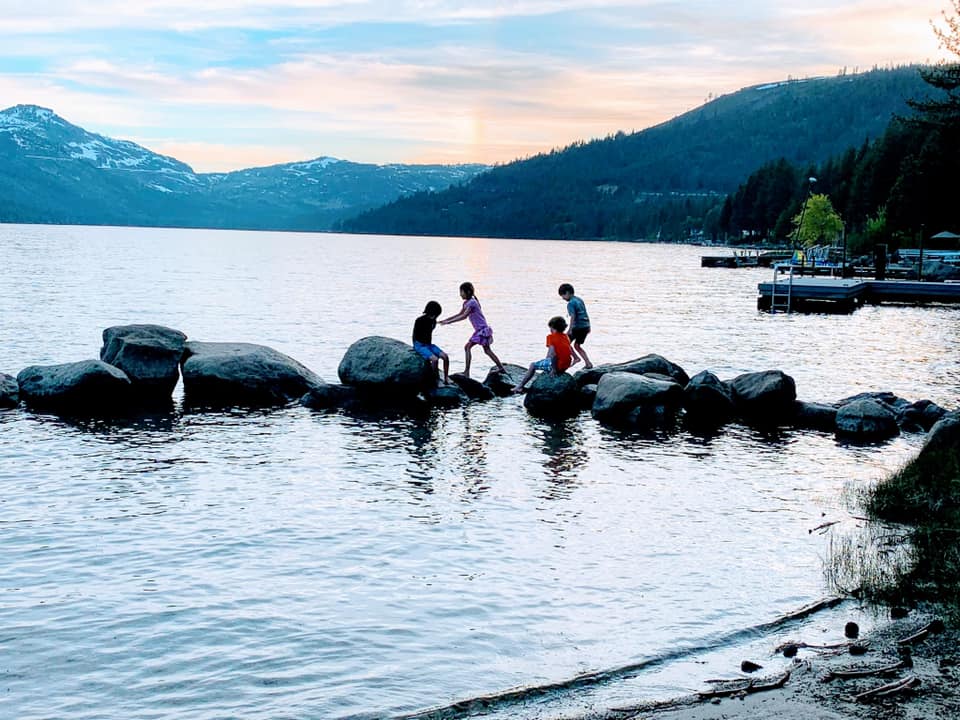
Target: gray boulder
{"x": 552, "y": 395}
{"x": 148, "y": 354}
{"x": 446, "y": 396}
{"x": 588, "y": 393}
{"x": 641, "y": 366}
{"x": 708, "y": 400}
{"x": 866, "y": 421}
{"x": 815, "y": 416}
{"x": 385, "y": 368}
{"x": 244, "y": 374}
{"x": 9, "y": 391}
{"x": 921, "y": 415}
{"x": 888, "y": 399}
{"x": 473, "y": 389}
{"x": 328, "y": 396}
{"x": 621, "y": 394}
{"x": 502, "y": 384}
{"x": 944, "y": 435}
{"x": 88, "y": 387}
{"x": 765, "y": 398}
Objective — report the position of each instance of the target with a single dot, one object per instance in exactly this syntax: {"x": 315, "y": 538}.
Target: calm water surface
{"x": 293, "y": 564}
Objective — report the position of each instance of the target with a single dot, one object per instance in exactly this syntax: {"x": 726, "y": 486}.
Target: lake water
{"x": 295, "y": 564}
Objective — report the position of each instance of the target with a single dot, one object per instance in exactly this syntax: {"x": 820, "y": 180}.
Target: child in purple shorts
{"x": 482, "y": 333}
{"x": 423, "y": 339}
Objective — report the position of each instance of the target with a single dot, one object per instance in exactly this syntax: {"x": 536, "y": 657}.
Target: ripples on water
{"x": 297, "y": 564}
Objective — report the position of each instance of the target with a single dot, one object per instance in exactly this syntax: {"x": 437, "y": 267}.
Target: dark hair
{"x": 433, "y": 308}
{"x": 565, "y": 288}
{"x": 557, "y": 323}
{"x": 467, "y": 288}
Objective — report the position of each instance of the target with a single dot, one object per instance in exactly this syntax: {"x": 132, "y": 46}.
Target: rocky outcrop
{"x": 866, "y": 420}
{"x": 385, "y": 369}
{"x": 148, "y": 354}
{"x": 242, "y": 374}
{"x": 707, "y": 400}
{"x": 624, "y": 398}
{"x": 552, "y": 395}
{"x": 765, "y": 398}
{"x": 641, "y": 366}
{"x": 9, "y": 392}
{"x": 86, "y": 387}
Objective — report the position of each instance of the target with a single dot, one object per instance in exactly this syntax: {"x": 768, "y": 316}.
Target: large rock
{"x": 765, "y": 398}
{"x": 385, "y": 368}
{"x": 944, "y": 436}
{"x": 244, "y": 374}
{"x": 148, "y": 354}
{"x": 552, "y": 395}
{"x": 501, "y": 383}
{"x": 9, "y": 391}
{"x": 866, "y": 421}
{"x": 936, "y": 271}
{"x": 641, "y": 366}
{"x": 620, "y": 395}
{"x": 88, "y": 387}
{"x": 707, "y": 400}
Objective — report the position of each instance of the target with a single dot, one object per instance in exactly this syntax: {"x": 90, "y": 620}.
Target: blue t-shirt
{"x": 578, "y": 313}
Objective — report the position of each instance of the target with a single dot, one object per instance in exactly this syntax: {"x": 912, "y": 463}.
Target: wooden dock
{"x": 829, "y": 294}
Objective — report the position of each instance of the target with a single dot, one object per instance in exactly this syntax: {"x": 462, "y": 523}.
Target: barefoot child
{"x": 423, "y": 339}
{"x": 558, "y": 357}
{"x": 482, "y": 333}
{"x": 579, "y": 323}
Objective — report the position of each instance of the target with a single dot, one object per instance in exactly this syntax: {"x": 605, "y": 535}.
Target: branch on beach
{"x": 790, "y": 649}
{"x": 848, "y": 674}
{"x": 933, "y": 627}
{"x": 748, "y": 688}
{"x": 908, "y": 683}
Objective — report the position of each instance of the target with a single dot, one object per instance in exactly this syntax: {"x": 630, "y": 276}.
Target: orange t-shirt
{"x": 561, "y": 346}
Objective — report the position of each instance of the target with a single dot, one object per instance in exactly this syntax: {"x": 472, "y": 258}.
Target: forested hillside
{"x": 663, "y": 181}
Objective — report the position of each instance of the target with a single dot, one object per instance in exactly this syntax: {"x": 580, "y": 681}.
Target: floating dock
{"x": 828, "y": 294}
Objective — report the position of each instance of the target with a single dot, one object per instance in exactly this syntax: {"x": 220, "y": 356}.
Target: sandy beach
{"x": 923, "y": 676}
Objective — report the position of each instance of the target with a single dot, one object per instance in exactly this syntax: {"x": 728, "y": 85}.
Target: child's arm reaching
{"x": 462, "y": 315}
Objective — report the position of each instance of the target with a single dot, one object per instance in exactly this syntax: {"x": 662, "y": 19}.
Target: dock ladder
{"x": 782, "y": 301}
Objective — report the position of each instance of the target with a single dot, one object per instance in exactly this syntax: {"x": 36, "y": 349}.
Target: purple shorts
{"x": 483, "y": 336}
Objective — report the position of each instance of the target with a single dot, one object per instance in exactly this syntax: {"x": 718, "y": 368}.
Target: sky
{"x": 230, "y": 84}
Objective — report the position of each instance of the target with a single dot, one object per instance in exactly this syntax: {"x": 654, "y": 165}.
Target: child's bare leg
{"x": 446, "y": 368}
{"x": 586, "y": 361}
{"x": 526, "y": 378}
{"x": 492, "y": 356}
{"x": 466, "y": 363}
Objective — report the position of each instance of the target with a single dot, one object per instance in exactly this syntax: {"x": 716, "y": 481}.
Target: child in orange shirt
{"x": 559, "y": 356}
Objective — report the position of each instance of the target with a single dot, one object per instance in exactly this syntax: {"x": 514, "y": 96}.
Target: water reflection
{"x": 561, "y": 441}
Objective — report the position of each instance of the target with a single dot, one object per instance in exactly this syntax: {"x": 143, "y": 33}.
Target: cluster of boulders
{"x": 139, "y": 366}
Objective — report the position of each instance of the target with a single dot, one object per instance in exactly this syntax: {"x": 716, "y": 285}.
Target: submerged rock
{"x": 328, "y": 396}
{"x": 9, "y": 391}
{"x": 815, "y": 416}
{"x": 244, "y": 374}
{"x": 446, "y": 396}
{"x": 148, "y": 354}
{"x": 87, "y": 387}
{"x": 385, "y": 368}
